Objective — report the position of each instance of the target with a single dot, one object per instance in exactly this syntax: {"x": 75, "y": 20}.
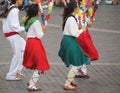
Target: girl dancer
{"x": 34, "y": 56}
{"x": 70, "y": 52}
{"x": 85, "y": 40}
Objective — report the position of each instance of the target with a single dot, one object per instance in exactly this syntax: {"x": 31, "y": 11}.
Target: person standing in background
{"x": 25, "y": 3}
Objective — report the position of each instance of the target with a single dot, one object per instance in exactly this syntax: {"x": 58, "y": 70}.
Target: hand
{"x": 89, "y": 24}
{"x": 84, "y": 28}
{"x": 43, "y": 28}
{"x": 79, "y": 26}
{"x": 93, "y": 19}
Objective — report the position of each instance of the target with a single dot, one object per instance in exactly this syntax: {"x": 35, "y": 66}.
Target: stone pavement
{"x": 104, "y": 73}
{"x": 103, "y": 79}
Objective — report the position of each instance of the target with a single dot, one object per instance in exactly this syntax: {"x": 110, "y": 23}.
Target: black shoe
{"x": 84, "y": 76}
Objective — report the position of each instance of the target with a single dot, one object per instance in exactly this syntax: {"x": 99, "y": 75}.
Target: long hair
{"x": 68, "y": 11}
{"x": 31, "y": 11}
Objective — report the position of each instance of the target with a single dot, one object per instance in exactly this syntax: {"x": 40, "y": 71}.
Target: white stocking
{"x": 84, "y": 69}
{"x": 71, "y": 75}
{"x": 34, "y": 79}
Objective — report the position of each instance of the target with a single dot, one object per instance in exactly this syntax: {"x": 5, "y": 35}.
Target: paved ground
{"x": 104, "y": 73}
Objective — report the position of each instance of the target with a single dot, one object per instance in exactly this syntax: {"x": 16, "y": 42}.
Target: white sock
{"x": 71, "y": 75}
{"x": 84, "y": 69}
{"x": 34, "y": 79}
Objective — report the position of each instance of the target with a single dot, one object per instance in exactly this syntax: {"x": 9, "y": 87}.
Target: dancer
{"x": 85, "y": 40}
{"x": 34, "y": 56}
{"x": 70, "y": 52}
{"x": 11, "y": 29}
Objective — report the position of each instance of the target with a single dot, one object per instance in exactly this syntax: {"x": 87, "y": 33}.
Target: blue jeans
{"x": 25, "y": 2}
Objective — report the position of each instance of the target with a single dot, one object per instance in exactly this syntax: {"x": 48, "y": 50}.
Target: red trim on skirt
{"x": 35, "y": 55}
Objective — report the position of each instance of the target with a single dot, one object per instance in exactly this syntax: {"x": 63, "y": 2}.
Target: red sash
{"x": 10, "y": 34}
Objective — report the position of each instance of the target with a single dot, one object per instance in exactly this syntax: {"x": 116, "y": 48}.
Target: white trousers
{"x": 18, "y": 46}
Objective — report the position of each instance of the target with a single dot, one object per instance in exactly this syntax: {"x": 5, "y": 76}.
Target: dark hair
{"x": 79, "y": 2}
{"x": 68, "y": 11}
{"x": 32, "y": 11}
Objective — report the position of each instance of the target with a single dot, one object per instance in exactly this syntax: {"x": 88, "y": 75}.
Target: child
{"x": 11, "y": 29}
{"x": 85, "y": 40}
{"x": 70, "y": 52}
{"x": 34, "y": 55}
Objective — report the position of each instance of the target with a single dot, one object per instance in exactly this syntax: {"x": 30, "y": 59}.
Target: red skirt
{"x": 87, "y": 45}
{"x": 35, "y": 55}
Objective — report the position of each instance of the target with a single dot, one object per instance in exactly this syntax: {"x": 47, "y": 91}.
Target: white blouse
{"x": 11, "y": 23}
{"x": 35, "y": 30}
{"x": 71, "y": 28}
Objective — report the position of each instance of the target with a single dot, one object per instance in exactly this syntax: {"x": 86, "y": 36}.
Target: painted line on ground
{"x": 91, "y": 29}
{"x": 92, "y": 63}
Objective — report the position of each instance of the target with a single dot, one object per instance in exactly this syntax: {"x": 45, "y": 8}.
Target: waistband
{"x": 10, "y": 34}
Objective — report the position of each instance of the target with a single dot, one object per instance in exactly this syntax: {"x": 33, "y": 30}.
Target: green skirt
{"x": 71, "y": 53}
